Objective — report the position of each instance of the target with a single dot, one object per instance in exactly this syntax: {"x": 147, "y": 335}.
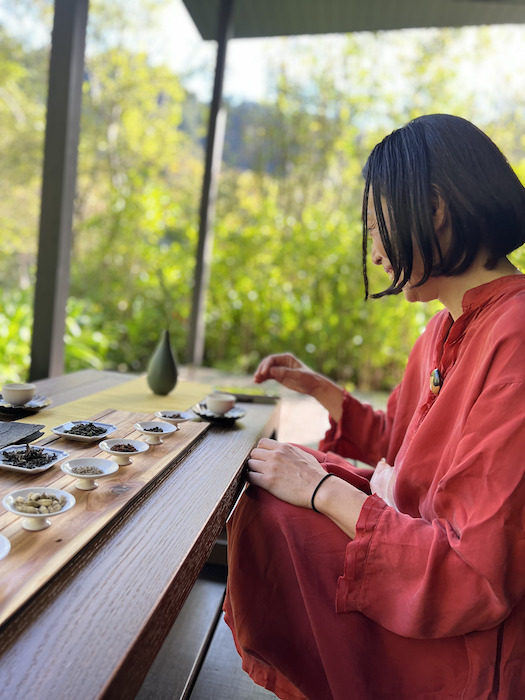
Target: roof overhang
{"x": 266, "y": 18}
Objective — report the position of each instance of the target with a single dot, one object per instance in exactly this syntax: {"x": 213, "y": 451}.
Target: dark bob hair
{"x": 442, "y": 156}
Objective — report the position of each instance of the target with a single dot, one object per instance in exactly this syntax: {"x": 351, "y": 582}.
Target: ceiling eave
{"x": 268, "y": 18}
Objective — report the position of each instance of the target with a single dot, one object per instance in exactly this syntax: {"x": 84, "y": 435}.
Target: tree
{"x": 286, "y": 271}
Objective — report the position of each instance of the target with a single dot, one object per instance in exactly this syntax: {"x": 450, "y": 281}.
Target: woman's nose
{"x": 375, "y": 255}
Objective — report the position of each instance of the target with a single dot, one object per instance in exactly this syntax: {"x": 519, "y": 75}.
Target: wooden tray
{"x": 37, "y": 556}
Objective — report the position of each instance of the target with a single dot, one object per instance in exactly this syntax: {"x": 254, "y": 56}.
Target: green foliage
{"x": 22, "y": 120}
{"x": 136, "y": 207}
{"x": 16, "y": 316}
{"x": 286, "y": 269}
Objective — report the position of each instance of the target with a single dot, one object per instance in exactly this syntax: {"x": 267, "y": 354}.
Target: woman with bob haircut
{"x": 405, "y": 581}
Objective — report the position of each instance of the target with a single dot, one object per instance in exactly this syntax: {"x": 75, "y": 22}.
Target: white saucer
{"x": 5, "y": 546}
{"x": 61, "y": 430}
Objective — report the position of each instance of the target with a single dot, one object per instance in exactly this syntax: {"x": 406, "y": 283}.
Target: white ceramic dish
{"x": 123, "y": 458}
{"x": 230, "y": 417}
{"x": 61, "y": 430}
{"x": 5, "y": 546}
{"x": 37, "y": 521}
{"x": 36, "y": 404}
{"x": 154, "y": 437}
{"x": 175, "y": 417}
{"x": 18, "y": 394}
{"x": 58, "y": 455}
{"x": 220, "y": 403}
{"x": 88, "y": 482}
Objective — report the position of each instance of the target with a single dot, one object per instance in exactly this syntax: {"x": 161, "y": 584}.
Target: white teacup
{"x": 220, "y": 403}
{"x": 18, "y": 394}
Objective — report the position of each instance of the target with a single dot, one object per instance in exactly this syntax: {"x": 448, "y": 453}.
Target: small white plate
{"x": 37, "y": 521}
{"x": 123, "y": 458}
{"x": 58, "y": 455}
{"x": 36, "y": 404}
{"x": 175, "y": 416}
{"x": 88, "y": 482}
{"x": 227, "y": 418}
{"x": 154, "y": 437}
{"x": 61, "y": 430}
{"x": 5, "y": 546}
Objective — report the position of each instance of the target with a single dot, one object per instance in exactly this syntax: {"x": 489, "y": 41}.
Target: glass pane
{"x": 25, "y": 39}
{"x": 139, "y": 182}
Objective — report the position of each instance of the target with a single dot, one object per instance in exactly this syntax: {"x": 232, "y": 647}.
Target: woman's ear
{"x": 439, "y": 213}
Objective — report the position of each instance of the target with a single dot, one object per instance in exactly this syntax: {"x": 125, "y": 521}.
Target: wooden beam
{"x": 58, "y": 186}
{"x": 214, "y": 148}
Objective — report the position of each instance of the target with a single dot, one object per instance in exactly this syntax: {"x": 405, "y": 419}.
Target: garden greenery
{"x": 286, "y": 272}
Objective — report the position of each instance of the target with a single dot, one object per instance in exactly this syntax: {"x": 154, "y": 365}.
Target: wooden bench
{"x": 179, "y": 661}
{"x": 198, "y": 660}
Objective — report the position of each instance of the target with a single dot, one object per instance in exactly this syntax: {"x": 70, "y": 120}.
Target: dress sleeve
{"x": 362, "y": 433}
{"x": 368, "y": 435}
{"x": 464, "y": 569}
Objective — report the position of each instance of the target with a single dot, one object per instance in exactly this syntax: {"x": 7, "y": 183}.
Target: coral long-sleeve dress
{"x": 427, "y": 602}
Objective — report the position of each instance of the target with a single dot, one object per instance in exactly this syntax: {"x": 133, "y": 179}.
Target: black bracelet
{"x": 317, "y": 489}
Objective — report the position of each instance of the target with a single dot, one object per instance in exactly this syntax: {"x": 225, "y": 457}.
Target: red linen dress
{"x": 428, "y": 601}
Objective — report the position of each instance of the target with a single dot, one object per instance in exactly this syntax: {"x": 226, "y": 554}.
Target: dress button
{"x": 436, "y": 381}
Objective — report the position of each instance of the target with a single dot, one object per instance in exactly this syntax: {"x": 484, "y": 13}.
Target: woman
{"x": 410, "y": 585}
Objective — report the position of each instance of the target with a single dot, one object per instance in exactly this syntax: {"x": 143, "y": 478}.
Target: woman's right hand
{"x": 292, "y": 373}
{"x": 288, "y": 371}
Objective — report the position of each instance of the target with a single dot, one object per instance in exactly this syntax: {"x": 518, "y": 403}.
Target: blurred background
{"x": 303, "y": 114}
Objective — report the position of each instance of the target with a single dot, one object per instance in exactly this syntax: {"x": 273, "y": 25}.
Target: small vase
{"x": 162, "y": 368}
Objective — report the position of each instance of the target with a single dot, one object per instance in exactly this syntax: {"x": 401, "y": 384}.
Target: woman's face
{"x": 427, "y": 291}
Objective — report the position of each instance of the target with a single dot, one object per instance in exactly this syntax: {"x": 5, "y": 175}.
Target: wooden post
{"x": 214, "y": 147}
{"x": 66, "y": 73}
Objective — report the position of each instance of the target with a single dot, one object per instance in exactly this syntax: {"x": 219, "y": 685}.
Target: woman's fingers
{"x": 266, "y": 444}
{"x": 284, "y": 470}
{"x": 260, "y": 455}
{"x": 264, "y": 459}
{"x": 255, "y": 467}
{"x": 271, "y": 455}
{"x": 255, "y": 478}
{"x": 266, "y": 367}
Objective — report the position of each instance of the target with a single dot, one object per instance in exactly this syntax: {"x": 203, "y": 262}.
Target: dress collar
{"x": 477, "y": 299}
{"x": 490, "y": 291}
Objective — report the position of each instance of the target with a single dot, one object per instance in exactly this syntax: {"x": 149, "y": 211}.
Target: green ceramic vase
{"x": 162, "y": 368}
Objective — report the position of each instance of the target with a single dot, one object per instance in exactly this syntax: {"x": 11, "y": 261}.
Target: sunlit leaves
{"x": 286, "y": 268}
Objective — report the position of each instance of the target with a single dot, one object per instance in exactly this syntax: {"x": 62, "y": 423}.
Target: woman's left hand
{"x": 287, "y": 472}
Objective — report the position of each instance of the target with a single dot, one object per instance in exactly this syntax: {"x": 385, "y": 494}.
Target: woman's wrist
{"x": 329, "y": 395}
{"x": 316, "y": 489}
{"x": 341, "y": 502}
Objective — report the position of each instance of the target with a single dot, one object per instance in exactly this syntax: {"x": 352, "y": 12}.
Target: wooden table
{"x": 95, "y": 628}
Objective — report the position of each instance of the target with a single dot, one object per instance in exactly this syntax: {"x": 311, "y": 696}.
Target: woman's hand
{"x": 294, "y": 374}
{"x": 288, "y": 371}
{"x": 287, "y": 472}
{"x": 292, "y": 475}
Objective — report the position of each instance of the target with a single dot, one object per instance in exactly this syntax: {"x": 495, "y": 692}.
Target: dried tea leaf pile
{"x": 125, "y": 447}
{"x": 87, "y": 470}
{"x": 28, "y": 458}
{"x": 86, "y": 430}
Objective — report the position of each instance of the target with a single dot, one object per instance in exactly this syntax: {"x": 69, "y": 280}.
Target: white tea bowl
{"x": 154, "y": 430}
{"x": 121, "y": 457}
{"x": 88, "y": 482}
{"x": 220, "y": 403}
{"x": 37, "y": 521}
{"x": 175, "y": 417}
{"x": 18, "y": 394}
